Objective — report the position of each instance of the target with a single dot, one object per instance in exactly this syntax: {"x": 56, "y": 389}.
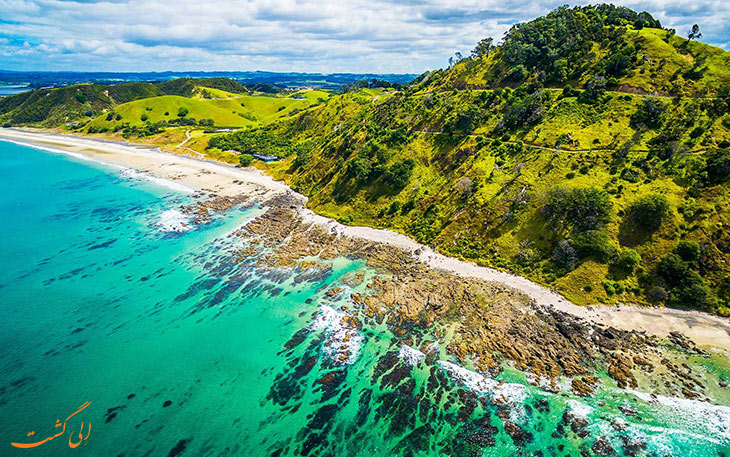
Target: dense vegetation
{"x": 589, "y": 151}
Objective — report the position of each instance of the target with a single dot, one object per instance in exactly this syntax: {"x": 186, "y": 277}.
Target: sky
{"x": 326, "y": 36}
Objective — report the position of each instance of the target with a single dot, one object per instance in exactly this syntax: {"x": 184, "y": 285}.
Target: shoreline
{"x": 216, "y": 178}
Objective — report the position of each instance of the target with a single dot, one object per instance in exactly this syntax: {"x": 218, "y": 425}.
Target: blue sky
{"x": 383, "y": 36}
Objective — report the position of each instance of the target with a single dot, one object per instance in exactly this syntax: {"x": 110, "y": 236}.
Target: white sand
{"x": 222, "y": 179}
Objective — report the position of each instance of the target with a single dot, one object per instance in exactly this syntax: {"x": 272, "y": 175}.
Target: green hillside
{"x": 205, "y": 108}
{"x": 65, "y": 105}
{"x": 543, "y": 156}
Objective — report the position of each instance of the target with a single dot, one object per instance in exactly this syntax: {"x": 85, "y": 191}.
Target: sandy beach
{"x": 222, "y": 179}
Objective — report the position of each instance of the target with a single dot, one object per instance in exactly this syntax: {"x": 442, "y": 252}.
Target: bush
{"x": 718, "y": 166}
{"x": 594, "y": 244}
{"x": 398, "y": 175}
{"x": 649, "y": 211}
{"x": 657, "y": 294}
{"x": 182, "y": 112}
{"x": 569, "y": 91}
{"x": 689, "y": 251}
{"x": 394, "y": 207}
{"x": 692, "y": 292}
{"x": 649, "y": 114}
{"x": 143, "y": 118}
{"x": 408, "y": 207}
{"x": 245, "y": 160}
{"x": 564, "y": 255}
{"x": 581, "y": 208}
{"x": 118, "y": 117}
{"x": 672, "y": 268}
{"x": 110, "y": 116}
{"x": 628, "y": 259}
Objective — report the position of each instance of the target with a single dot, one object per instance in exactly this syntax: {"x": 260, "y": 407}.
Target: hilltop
{"x": 588, "y": 152}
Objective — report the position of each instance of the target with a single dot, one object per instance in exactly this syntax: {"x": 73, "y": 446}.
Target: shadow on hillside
{"x": 631, "y": 235}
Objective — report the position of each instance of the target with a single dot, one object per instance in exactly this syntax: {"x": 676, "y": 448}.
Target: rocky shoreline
{"x": 482, "y": 324}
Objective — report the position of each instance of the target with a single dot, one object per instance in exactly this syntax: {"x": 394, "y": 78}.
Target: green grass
{"x": 226, "y": 109}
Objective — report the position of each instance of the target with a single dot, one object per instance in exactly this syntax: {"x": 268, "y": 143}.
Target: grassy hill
{"x": 544, "y": 156}
{"x": 53, "y": 107}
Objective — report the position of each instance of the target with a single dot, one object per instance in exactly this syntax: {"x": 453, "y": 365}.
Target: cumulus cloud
{"x": 394, "y": 36}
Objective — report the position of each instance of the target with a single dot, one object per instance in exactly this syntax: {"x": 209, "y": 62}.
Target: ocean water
{"x": 109, "y": 295}
{"x": 6, "y": 90}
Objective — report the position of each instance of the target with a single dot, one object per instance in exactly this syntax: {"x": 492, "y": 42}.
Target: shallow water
{"x": 108, "y": 295}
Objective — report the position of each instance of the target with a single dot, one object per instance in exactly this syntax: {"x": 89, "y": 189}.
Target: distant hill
{"x": 588, "y": 151}
{"x": 38, "y": 79}
{"x": 51, "y": 107}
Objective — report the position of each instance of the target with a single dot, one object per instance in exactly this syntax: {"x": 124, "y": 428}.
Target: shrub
{"x": 657, "y": 294}
{"x": 649, "y": 114}
{"x": 394, "y": 207}
{"x": 689, "y": 251}
{"x": 399, "y": 173}
{"x": 182, "y": 112}
{"x": 245, "y": 160}
{"x": 582, "y": 208}
{"x": 569, "y": 91}
{"x": 118, "y": 117}
{"x": 649, "y": 211}
{"x": 691, "y": 291}
{"x": 408, "y": 207}
{"x": 594, "y": 244}
{"x": 564, "y": 255}
{"x": 718, "y": 166}
{"x": 143, "y": 118}
{"x": 628, "y": 259}
{"x": 110, "y": 116}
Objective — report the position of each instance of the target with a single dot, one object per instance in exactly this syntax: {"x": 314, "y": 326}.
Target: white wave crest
{"x": 132, "y": 174}
{"x": 411, "y": 356}
{"x": 173, "y": 220}
{"x": 343, "y": 342}
{"x": 511, "y": 393}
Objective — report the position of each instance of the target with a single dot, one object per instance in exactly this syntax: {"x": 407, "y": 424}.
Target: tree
{"x": 648, "y": 114}
{"x": 648, "y": 211}
{"x": 718, "y": 166}
{"x": 564, "y": 255}
{"x": 581, "y": 208}
{"x": 399, "y": 173}
{"x": 483, "y": 48}
{"x": 245, "y": 159}
{"x": 628, "y": 259}
{"x": 182, "y": 112}
{"x": 694, "y": 33}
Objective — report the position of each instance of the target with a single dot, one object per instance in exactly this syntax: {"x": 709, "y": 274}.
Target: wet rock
{"x": 602, "y": 447}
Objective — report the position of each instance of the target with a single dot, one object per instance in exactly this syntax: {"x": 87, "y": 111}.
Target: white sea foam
{"x": 512, "y": 393}
{"x": 343, "y": 342}
{"x": 411, "y": 356}
{"x": 173, "y": 220}
{"x": 130, "y": 173}
{"x": 713, "y": 419}
{"x": 579, "y": 409}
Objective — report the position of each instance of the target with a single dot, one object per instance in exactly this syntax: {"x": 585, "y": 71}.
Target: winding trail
{"x": 211, "y": 176}
{"x": 187, "y": 138}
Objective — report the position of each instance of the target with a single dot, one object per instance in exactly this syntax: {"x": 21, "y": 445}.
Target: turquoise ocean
{"x": 180, "y": 350}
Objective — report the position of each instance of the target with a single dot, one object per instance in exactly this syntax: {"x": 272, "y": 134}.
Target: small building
{"x": 265, "y": 158}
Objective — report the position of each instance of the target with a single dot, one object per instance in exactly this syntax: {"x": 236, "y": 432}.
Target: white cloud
{"x": 283, "y": 35}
